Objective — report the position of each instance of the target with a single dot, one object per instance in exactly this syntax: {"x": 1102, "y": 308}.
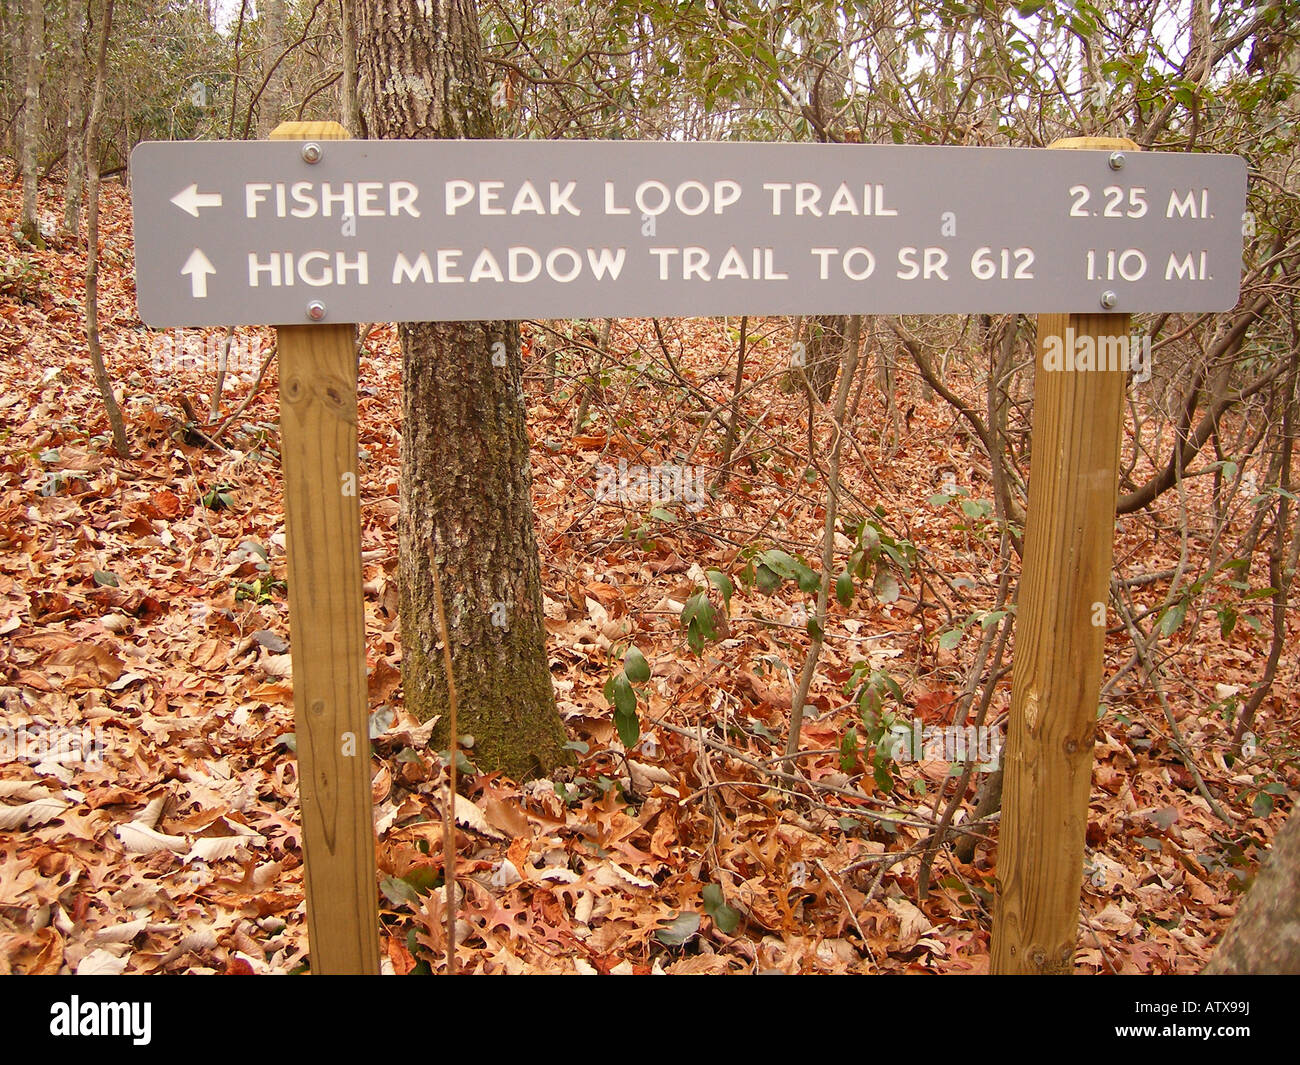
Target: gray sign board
{"x": 252, "y": 232}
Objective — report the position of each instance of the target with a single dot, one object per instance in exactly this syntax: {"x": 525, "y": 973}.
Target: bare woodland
{"x": 678, "y": 755}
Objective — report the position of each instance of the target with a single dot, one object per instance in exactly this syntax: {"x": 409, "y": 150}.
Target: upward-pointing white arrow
{"x": 190, "y": 199}
{"x": 198, "y": 266}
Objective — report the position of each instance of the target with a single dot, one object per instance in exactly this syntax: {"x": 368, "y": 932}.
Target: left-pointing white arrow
{"x": 190, "y": 199}
{"x": 198, "y": 266}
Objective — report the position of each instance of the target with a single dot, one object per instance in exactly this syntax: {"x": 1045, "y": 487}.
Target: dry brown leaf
{"x": 506, "y": 816}
{"x": 701, "y": 965}
{"x": 31, "y": 814}
{"x": 470, "y": 816}
{"x": 39, "y": 953}
{"x": 102, "y": 962}
{"x": 912, "y": 923}
{"x": 611, "y": 874}
{"x": 216, "y": 848}
{"x": 85, "y": 665}
{"x": 26, "y": 790}
{"x": 121, "y": 933}
{"x": 141, "y": 839}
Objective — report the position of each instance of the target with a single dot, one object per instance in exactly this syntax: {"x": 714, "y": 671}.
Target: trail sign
{"x": 308, "y": 228}
{"x": 280, "y": 233}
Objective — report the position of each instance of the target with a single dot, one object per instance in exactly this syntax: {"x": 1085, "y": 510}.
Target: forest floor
{"x": 143, "y": 616}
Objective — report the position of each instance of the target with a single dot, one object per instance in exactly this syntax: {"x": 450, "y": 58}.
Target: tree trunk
{"x": 272, "y": 35}
{"x": 825, "y": 344}
{"x": 1264, "y": 937}
{"x": 466, "y": 481}
{"x": 92, "y": 239}
{"x": 33, "y": 40}
{"x": 348, "y": 18}
{"x": 11, "y": 16}
{"x": 75, "y": 191}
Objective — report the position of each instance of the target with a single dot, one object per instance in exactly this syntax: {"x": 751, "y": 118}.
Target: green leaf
{"x": 677, "y": 931}
{"x": 886, "y": 587}
{"x": 849, "y": 750}
{"x": 723, "y": 584}
{"x": 767, "y": 580}
{"x": 844, "y": 589}
{"x": 779, "y": 562}
{"x": 1227, "y": 619}
{"x": 577, "y": 745}
{"x": 890, "y": 684}
{"x": 809, "y": 581}
{"x": 105, "y": 579}
{"x": 869, "y": 702}
{"x": 870, "y": 539}
{"x": 1173, "y": 619}
{"x": 663, "y": 515}
{"x": 381, "y": 721}
{"x": 698, "y": 618}
{"x": 1263, "y": 804}
{"x": 629, "y": 727}
{"x": 624, "y": 698}
{"x": 399, "y": 893}
{"x": 423, "y": 878}
{"x": 715, "y": 906}
{"x": 951, "y": 638}
{"x": 635, "y": 667}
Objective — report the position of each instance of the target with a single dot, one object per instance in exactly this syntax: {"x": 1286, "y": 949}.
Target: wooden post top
{"x": 1096, "y": 144}
{"x": 309, "y": 131}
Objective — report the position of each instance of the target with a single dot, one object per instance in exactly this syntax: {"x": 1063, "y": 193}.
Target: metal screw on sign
{"x": 1109, "y": 299}
{"x": 311, "y": 152}
{"x": 1116, "y": 160}
{"x": 315, "y": 310}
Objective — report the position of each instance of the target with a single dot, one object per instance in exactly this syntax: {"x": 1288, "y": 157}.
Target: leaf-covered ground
{"x": 148, "y": 811}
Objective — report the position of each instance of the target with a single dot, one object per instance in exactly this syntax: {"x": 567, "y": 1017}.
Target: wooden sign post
{"x": 1060, "y": 636}
{"x": 318, "y": 441}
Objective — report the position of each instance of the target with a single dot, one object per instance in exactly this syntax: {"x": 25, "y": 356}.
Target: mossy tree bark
{"x": 466, "y": 480}
{"x": 1264, "y": 938}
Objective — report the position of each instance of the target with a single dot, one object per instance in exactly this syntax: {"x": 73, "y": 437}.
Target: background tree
{"x": 273, "y": 66}
{"x": 105, "y": 30}
{"x": 75, "y": 145}
{"x": 466, "y": 481}
{"x": 33, "y": 48}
